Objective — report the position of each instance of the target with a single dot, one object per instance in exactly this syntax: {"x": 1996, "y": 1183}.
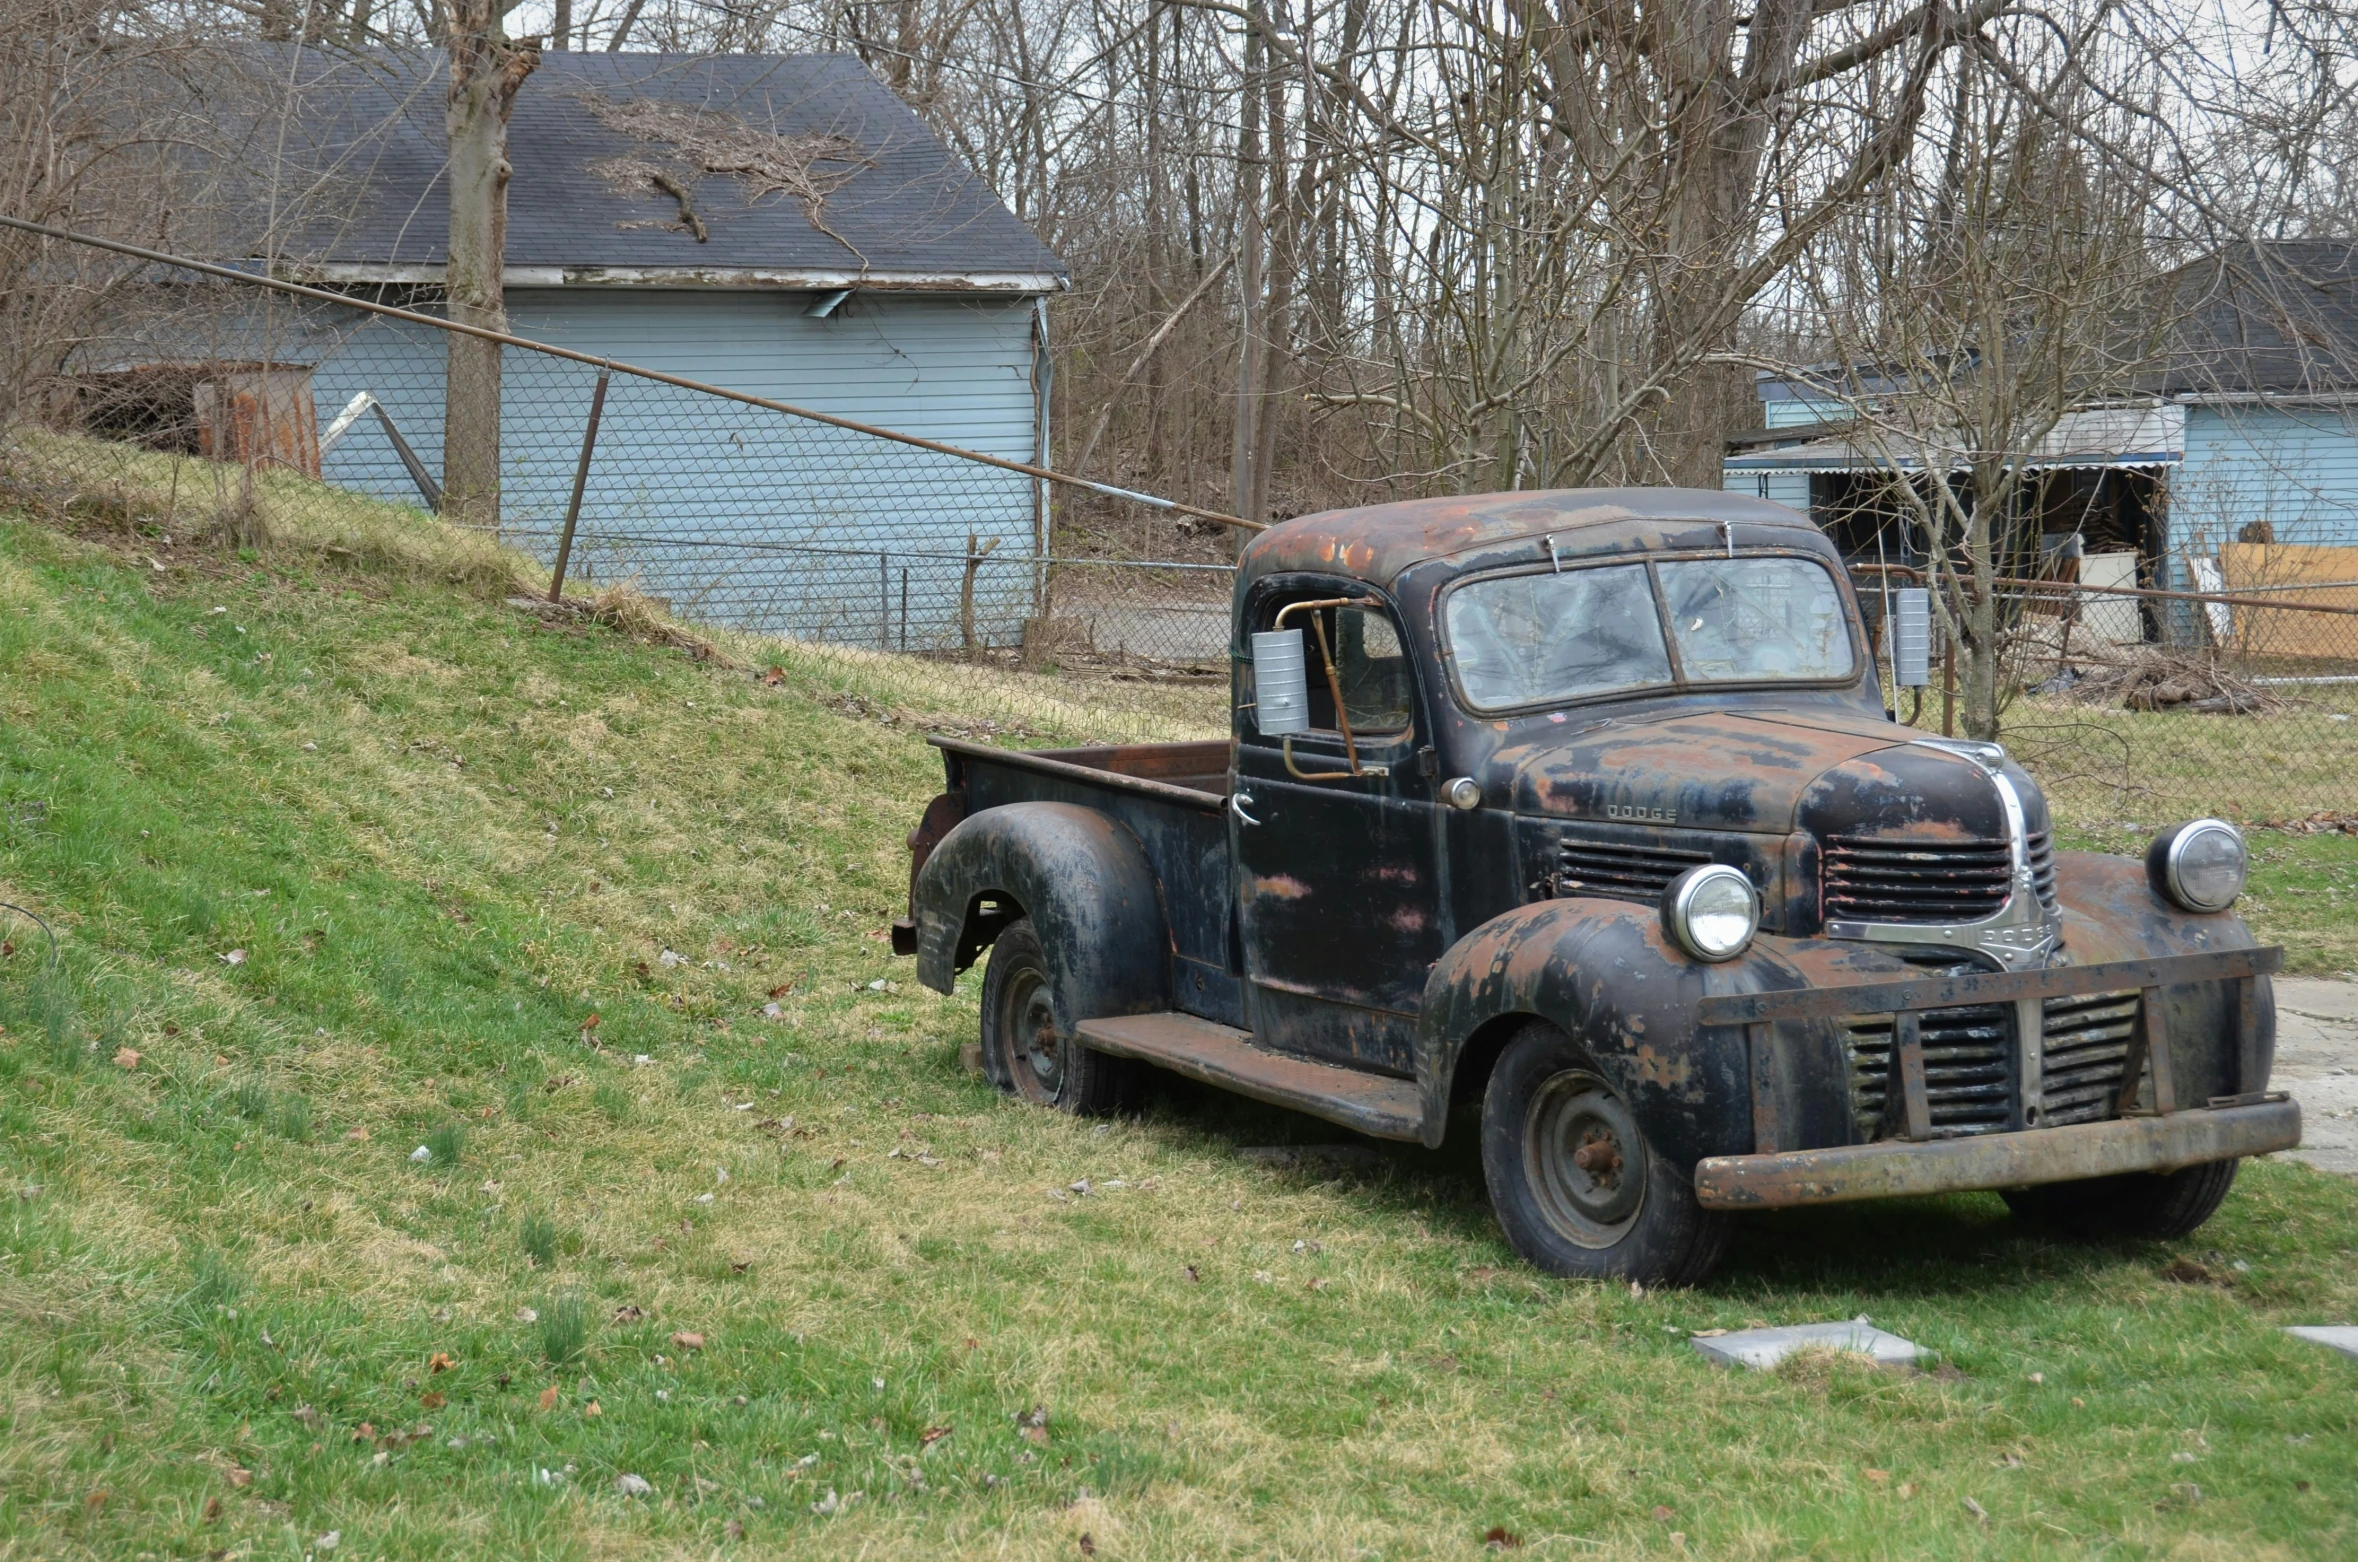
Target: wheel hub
{"x": 1584, "y": 1157}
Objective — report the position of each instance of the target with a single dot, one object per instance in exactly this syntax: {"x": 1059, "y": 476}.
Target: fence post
{"x": 1948, "y": 686}
{"x": 589, "y": 442}
{"x": 904, "y": 607}
{"x": 966, "y": 597}
{"x": 884, "y": 602}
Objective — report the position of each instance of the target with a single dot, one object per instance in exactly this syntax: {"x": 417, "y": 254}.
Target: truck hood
{"x": 1762, "y": 771}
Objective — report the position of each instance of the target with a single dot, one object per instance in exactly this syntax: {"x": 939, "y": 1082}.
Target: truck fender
{"x": 1082, "y": 879}
{"x": 1607, "y": 974}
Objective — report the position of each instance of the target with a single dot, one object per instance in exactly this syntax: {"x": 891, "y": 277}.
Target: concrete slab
{"x": 2339, "y": 1337}
{"x": 2317, "y": 1060}
{"x": 1761, "y": 1349}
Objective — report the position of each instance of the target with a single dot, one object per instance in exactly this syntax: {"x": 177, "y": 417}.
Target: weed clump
{"x": 537, "y": 1236}
{"x": 446, "y": 1144}
{"x": 564, "y": 1328}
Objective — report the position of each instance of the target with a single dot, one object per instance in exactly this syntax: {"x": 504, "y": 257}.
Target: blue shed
{"x": 779, "y": 225}
{"x": 2246, "y": 434}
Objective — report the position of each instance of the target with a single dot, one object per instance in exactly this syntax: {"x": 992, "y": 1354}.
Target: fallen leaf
{"x": 97, "y": 1499}
{"x": 1037, "y": 1436}
{"x": 932, "y": 1435}
{"x": 240, "y": 1477}
{"x": 1088, "y": 1544}
{"x": 633, "y": 1485}
{"x": 1981, "y": 1515}
{"x": 1663, "y": 1515}
{"x": 782, "y": 989}
{"x": 1193, "y": 1275}
{"x": 548, "y": 1397}
{"x": 734, "y": 1529}
{"x": 358, "y": 1136}
{"x": 440, "y": 1362}
{"x": 365, "y": 1432}
{"x": 212, "y": 1509}
{"x": 688, "y": 1339}
{"x": 1907, "y": 1489}
{"x": 591, "y": 1023}
{"x": 433, "y": 1399}
{"x": 1500, "y": 1538}
{"x": 307, "y": 1415}
{"x": 126, "y": 1058}
{"x": 234, "y": 957}
{"x": 1879, "y": 1477}
{"x": 591, "y": 1409}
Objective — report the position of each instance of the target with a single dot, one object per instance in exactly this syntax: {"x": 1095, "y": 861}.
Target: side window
{"x": 1371, "y": 666}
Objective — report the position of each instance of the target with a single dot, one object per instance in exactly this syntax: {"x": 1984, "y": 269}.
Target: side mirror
{"x": 1281, "y": 684}
{"x": 1911, "y": 637}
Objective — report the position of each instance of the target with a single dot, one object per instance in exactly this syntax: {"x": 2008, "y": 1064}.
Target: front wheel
{"x": 1576, "y": 1187}
{"x": 1023, "y": 1052}
{"x": 2144, "y": 1206}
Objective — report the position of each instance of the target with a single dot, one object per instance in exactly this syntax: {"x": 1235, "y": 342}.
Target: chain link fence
{"x": 2151, "y": 706}
{"x": 918, "y": 581}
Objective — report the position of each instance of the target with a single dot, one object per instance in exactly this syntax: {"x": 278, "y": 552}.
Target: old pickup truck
{"x": 1582, "y": 812}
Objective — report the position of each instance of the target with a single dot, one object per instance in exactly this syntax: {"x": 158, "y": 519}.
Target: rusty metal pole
{"x": 589, "y": 442}
{"x": 1948, "y": 688}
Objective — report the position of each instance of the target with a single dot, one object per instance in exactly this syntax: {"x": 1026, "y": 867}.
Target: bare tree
{"x": 486, "y": 69}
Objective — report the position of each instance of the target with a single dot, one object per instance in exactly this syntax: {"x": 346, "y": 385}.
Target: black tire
{"x": 1023, "y": 1052}
{"x": 2143, "y": 1206}
{"x": 1576, "y": 1187}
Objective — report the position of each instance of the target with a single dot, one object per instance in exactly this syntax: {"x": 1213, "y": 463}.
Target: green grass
{"x": 785, "y": 1253}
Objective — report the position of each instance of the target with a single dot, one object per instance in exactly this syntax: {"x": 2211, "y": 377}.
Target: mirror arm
{"x": 1334, "y": 687}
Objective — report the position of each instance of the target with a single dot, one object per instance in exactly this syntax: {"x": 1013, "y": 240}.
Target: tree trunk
{"x": 1245, "y": 443}
{"x": 485, "y": 71}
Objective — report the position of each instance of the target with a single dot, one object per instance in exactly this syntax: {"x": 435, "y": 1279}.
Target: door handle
{"x": 1236, "y": 806}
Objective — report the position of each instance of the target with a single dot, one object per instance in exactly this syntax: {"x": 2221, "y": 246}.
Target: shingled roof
{"x": 2278, "y": 318}
{"x": 848, "y": 187}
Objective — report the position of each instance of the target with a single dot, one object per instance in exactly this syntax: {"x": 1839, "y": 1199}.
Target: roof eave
{"x": 791, "y": 279}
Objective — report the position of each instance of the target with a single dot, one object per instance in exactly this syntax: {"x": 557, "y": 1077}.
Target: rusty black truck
{"x": 1581, "y": 812}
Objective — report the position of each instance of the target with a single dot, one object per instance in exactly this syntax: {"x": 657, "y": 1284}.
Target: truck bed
{"x": 1173, "y": 797}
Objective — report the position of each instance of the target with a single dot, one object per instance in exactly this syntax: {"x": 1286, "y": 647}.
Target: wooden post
{"x": 966, "y": 597}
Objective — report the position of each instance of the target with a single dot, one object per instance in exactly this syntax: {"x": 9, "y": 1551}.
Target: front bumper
{"x": 2151, "y": 1133}
{"x": 1899, "y": 1169}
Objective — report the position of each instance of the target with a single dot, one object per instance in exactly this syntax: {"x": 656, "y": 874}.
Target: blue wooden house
{"x": 779, "y": 225}
{"x": 2247, "y": 434}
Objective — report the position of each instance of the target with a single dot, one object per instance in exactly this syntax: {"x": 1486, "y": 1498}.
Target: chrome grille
{"x": 1618, "y": 871}
{"x": 1875, "y": 880}
{"x": 2085, "y": 1052}
{"x": 2041, "y": 852}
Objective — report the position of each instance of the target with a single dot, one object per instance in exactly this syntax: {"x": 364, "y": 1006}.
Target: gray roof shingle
{"x": 906, "y": 209}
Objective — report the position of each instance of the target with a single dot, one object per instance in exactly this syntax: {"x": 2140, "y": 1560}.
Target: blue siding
{"x": 736, "y": 514}
{"x": 2295, "y": 467}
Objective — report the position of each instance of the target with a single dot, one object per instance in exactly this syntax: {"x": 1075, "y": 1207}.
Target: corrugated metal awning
{"x": 2097, "y": 438}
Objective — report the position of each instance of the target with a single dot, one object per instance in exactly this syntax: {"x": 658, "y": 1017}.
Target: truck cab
{"x": 1576, "y": 820}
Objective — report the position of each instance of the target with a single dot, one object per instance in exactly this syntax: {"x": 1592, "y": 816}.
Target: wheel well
{"x": 1480, "y": 1054}
{"x": 987, "y": 914}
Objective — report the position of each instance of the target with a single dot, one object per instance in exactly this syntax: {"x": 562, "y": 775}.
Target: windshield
{"x": 1541, "y": 639}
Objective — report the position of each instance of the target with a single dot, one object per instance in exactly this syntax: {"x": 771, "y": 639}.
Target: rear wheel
{"x": 2147, "y": 1206}
{"x": 1576, "y": 1187}
{"x": 1023, "y": 1052}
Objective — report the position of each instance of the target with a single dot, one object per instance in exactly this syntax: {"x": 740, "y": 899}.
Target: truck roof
{"x": 1376, "y": 542}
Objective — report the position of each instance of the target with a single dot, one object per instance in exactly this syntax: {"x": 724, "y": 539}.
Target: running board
{"x": 1374, "y": 1104}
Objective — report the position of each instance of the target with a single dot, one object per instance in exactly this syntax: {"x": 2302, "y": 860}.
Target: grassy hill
{"x": 714, "y": 1246}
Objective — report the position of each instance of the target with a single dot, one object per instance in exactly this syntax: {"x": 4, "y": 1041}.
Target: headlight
{"x": 2199, "y": 866}
{"x": 1711, "y": 912}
